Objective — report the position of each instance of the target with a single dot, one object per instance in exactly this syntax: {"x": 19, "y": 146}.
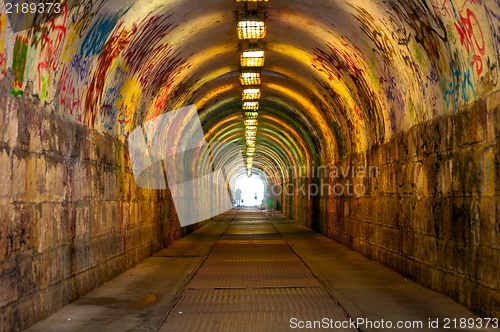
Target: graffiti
{"x": 392, "y": 91}
{"x": 356, "y": 110}
{"x": 153, "y": 61}
{"x": 82, "y": 67}
{"x": 399, "y": 34}
{"x": 84, "y": 10}
{"x": 111, "y": 96}
{"x": 425, "y": 25}
{"x": 374, "y": 32}
{"x": 99, "y": 32}
{"x": 3, "y": 56}
{"x": 108, "y": 117}
{"x": 171, "y": 68}
{"x": 19, "y": 64}
{"x": 83, "y": 15}
{"x": 494, "y": 23}
{"x": 50, "y": 53}
{"x": 336, "y": 63}
{"x": 69, "y": 94}
{"x": 468, "y": 27}
{"x": 471, "y": 37}
{"x": 460, "y": 86}
{"x": 492, "y": 71}
{"x": 417, "y": 15}
{"x": 111, "y": 50}
{"x": 145, "y": 44}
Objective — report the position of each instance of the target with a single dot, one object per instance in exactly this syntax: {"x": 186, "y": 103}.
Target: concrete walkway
{"x": 246, "y": 271}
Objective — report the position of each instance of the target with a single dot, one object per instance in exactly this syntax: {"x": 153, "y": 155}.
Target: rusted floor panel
{"x": 251, "y": 237}
{"x": 251, "y": 286}
{"x": 268, "y": 309}
{"x": 251, "y": 228}
{"x": 229, "y": 252}
{"x": 253, "y": 274}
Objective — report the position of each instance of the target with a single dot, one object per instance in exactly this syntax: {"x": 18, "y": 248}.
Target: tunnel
{"x": 377, "y": 128}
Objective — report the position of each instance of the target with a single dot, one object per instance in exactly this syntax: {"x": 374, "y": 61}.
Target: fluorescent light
{"x": 253, "y": 56}
{"x": 250, "y": 77}
{"x": 251, "y": 27}
{"x": 251, "y": 128}
{"x": 250, "y": 94}
{"x": 251, "y": 115}
{"x": 251, "y": 122}
{"x": 250, "y": 105}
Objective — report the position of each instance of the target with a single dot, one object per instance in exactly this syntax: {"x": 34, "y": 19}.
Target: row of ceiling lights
{"x": 251, "y": 30}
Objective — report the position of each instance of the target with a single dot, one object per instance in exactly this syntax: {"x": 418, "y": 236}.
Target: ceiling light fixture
{"x": 251, "y": 122}
{"x": 253, "y": 56}
{"x": 251, "y": 115}
{"x": 250, "y": 76}
{"x": 251, "y": 27}
{"x": 251, "y": 105}
{"x": 252, "y": 93}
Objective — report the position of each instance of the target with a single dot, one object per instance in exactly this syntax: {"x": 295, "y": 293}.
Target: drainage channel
{"x": 251, "y": 281}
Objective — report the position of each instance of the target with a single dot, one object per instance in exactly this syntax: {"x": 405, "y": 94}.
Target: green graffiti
{"x": 19, "y": 64}
{"x": 43, "y": 91}
{"x": 411, "y": 109}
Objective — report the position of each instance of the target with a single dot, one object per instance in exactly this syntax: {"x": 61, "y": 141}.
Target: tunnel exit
{"x": 252, "y": 190}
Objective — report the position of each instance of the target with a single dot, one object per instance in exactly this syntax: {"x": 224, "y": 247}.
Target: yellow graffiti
{"x": 130, "y": 94}
{"x": 3, "y": 56}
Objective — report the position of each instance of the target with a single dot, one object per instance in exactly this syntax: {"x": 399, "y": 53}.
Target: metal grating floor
{"x": 251, "y": 286}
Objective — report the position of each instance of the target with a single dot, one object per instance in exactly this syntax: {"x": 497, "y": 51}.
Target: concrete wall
{"x": 71, "y": 217}
{"x": 433, "y": 212}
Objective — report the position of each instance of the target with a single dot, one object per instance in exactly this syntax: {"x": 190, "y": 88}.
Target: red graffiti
{"x": 356, "y": 110}
{"x": 69, "y": 94}
{"x": 468, "y": 28}
{"x": 115, "y": 44}
{"x": 3, "y": 65}
{"x": 51, "y": 48}
{"x": 152, "y": 60}
{"x": 471, "y": 37}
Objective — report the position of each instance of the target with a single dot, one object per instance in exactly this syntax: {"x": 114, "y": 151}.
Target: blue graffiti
{"x": 458, "y": 89}
{"x": 99, "y": 32}
{"x": 82, "y": 67}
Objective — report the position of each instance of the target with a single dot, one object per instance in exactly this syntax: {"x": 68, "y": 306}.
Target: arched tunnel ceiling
{"x": 340, "y": 76}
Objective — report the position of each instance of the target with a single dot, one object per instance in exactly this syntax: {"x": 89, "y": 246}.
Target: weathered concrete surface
{"x": 365, "y": 288}
{"x": 71, "y": 216}
{"x": 432, "y": 211}
{"x": 138, "y": 299}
